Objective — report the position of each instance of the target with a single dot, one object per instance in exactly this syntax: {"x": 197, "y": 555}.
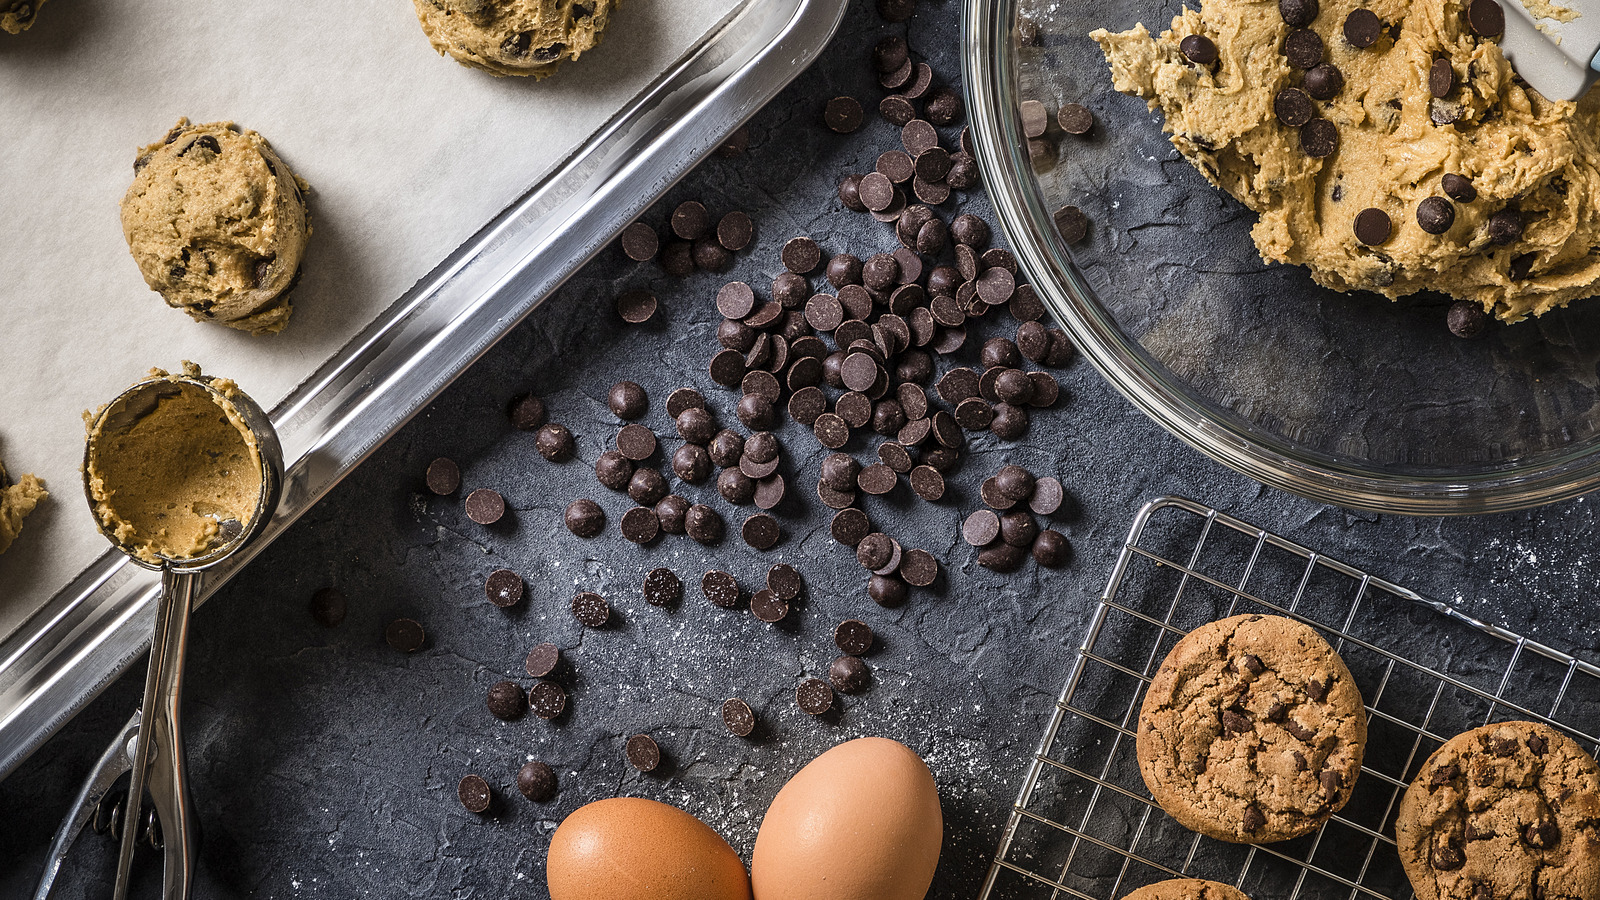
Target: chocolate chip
{"x": 981, "y": 528}
{"x": 1373, "y": 227}
{"x": 974, "y": 414}
{"x": 849, "y": 675}
{"x": 640, "y": 524}
{"x": 1253, "y": 819}
{"x": 963, "y": 174}
{"x": 877, "y": 479}
{"x": 1505, "y": 227}
{"x": 1010, "y": 422}
{"x": 1459, "y": 188}
{"x": 1319, "y": 138}
{"x": 1298, "y": 13}
{"x": 1486, "y": 18}
{"x": 890, "y": 53}
{"x": 1199, "y": 49}
{"x": 328, "y": 607}
{"x": 504, "y": 588}
{"x": 814, "y": 696}
{"x": 639, "y": 242}
{"x": 853, "y": 637}
{"x": 843, "y": 115}
{"x": 768, "y": 606}
{"x": 1543, "y": 833}
{"x": 1075, "y": 118}
{"x": 761, "y": 531}
{"x": 1442, "y": 78}
{"x": 920, "y": 83}
{"x": 756, "y": 411}
{"x": 736, "y": 300}
{"x": 591, "y": 609}
{"x": 1303, "y": 48}
{"x": 854, "y": 408}
{"x": 542, "y": 660}
{"x": 1072, "y": 225}
{"x": 1446, "y": 854}
{"x": 970, "y": 230}
{"x": 636, "y": 442}
{"x": 1236, "y": 722}
{"x": 944, "y": 106}
{"x": 1362, "y": 28}
{"x": 1537, "y": 744}
{"x": 874, "y": 551}
{"x": 927, "y": 483}
{"x": 671, "y": 511}
{"x": 547, "y": 699}
{"x": 896, "y": 457}
{"x": 405, "y": 635}
{"x": 1436, "y": 215}
{"x": 850, "y": 526}
{"x": 726, "y": 448}
{"x": 662, "y": 588}
{"x": 585, "y": 518}
{"x": 1444, "y": 775}
{"x": 485, "y": 506}
{"x": 690, "y": 220}
{"x": 1299, "y": 731}
{"x": 1317, "y": 689}
{"x": 643, "y": 753}
{"x": 721, "y": 589}
{"x": 887, "y": 591}
{"x": 1001, "y": 557}
{"x": 636, "y": 307}
{"x": 506, "y": 700}
{"x": 1324, "y": 82}
{"x": 1018, "y": 529}
{"x": 627, "y": 400}
{"x": 919, "y": 568}
{"x": 647, "y": 487}
{"x": 613, "y": 470}
{"x": 896, "y": 110}
{"x": 877, "y": 192}
{"x": 801, "y": 255}
{"x": 734, "y": 231}
{"x": 1051, "y": 549}
{"x": 474, "y": 794}
{"x": 444, "y": 476}
{"x": 536, "y": 781}
{"x": 738, "y": 718}
{"x": 1294, "y": 107}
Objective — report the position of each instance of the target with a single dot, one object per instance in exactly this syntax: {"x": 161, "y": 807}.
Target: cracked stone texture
{"x": 325, "y": 763}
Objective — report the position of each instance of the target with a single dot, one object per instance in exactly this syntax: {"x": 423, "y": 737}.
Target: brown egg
{"x": 860, "y": 822}
{"x": 627, "y": 848}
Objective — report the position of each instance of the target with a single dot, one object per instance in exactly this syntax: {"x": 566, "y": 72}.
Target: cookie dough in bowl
{"x": 16, "y": 502}
{"x": 514, "y": 37}
{"x": 1387, "y": 146}
{"x": 218, "y": 225}
{"x": 16, "y": 16}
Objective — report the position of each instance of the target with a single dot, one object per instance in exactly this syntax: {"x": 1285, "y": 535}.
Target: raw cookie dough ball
{"x": 218, "y": 225}
{"x": 16, "y": 501}
{"x": 1509, "y": 811}
{"x": 1252, "y": 730}
{"x": 16, "y": 16}
{"x": 514, "y": 37}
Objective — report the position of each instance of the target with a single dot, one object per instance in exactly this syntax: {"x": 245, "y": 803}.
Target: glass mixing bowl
{"x": 1344, "y": 398}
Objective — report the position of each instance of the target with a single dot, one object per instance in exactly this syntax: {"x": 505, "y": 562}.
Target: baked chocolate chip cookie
{"x": 1509, "y": 811}
{"x": 1187, "y": 889}
{"x": 514, "y": 37}
{"x": 1252, "y": 730}
{"x": 17, "y": 15}
{"x": 218, "y": 225}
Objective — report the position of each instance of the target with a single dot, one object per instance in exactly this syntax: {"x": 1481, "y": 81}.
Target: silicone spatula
{"x": 1559, "y": 59}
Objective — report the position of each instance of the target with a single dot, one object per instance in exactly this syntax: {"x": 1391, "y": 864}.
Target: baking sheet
{"x": 407, "y": 153}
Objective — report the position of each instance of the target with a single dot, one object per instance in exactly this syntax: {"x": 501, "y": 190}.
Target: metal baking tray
{"x": 97, "y": 627}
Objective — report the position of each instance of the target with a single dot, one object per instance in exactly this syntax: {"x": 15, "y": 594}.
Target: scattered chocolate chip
{"x": 721, "y": 589}
{"x": 874, "y": 551}
{"x": 690, "y": 220}
{"x": 761, "y": 531}
{"x": 1010, "y": 422}
{"x": 1436, "y": 215}
{"x": 636, "y": 442}
{"x": 1324, "y": 82}
{"x": 542, "y": 660}
{"x": 1303, "y": 48}
{"x": 405, "y": 635}
{"x": 963, "y": 174}
{"x": 639, "y": 242}
{"x": 1035, "y": 118}
{"x": 591, "y": 609}
{"x": 738, "y": 718}
{"x": 627, "y": 400}
{"x": 485, "y": 507}
{"x": 944, "y": 106}
{"x": 842, "y": 115}
{"x": 1373, "y": 227}
{"x": 887, "y": 591}
{"x": 585, "y": 518}
{"x": 726, "y": 448}
{"x": 636, "y": 307}
{"x": 736, "y": 300}
{"x": 613, "y": 470}
{"x": 927, "y": 483}
{"x": 735, "y": 230}
{"x": 662, "y": 588}
{"x": 756, "y": 412}
{"x": 1048, "y": 495}
{"x": 536, "y": 781}
{"x": 896, "y": 110}
{"x": 1075, "y": 118}
{"x": 506, "y": 700}
{"x": 1001, "y": 557}
{"x": 768, "y": 606}
{"x": 1459, "y": 188}
{"x": 1505, "y": 227}
{"x": 1294, "y": 107}
{"x": 1467, "y": 319}
{"x": 877, "y": 479}
{"x": 1018, "y": 529}
{"x": 640, "y": 524}
{"x": 1199, "y": 49}
{"x": 547, "y": 699}
{"x": 672, "y": 512}
{"x": 1072, "y": 225}
{"x": 1319, "y": 138}
{"x": 801, "y": 255}
{"x": 1487, "y": 18}
{"x": 850, "y": 527}
{"x": 974, "y": 414}
{"x": 711, "y": 256}
{"x": 643, "y": 753}
{"x": 849, "y": 675}
{"x": 1362, "y": 28}
{"x": 814, "y": 696}
{"x": 1051, "y": 549}
{"x": 474, "y": 794}
{"x": 919, "y": 568}
{"x": 444, "y": 476}
{"x": 981, "y": 528}
{"x": 504, "y": 588}
{"x": 647, "y": 487}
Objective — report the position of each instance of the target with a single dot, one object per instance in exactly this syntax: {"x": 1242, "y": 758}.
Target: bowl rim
{"x": 988, "y": 72}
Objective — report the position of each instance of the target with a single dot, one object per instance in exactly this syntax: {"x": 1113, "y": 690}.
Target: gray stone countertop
{"x": 325, "y": 763}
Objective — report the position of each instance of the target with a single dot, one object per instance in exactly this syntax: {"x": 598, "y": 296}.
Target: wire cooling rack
{"x": 1085, "y": 827}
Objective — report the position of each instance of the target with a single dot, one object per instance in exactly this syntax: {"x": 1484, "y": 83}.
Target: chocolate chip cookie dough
{"x": 16, "y": 501}
{"x": 1386, "y": 145}
{"x": 163, "y": 479}
{"x": 1509, "y": 811}
{"x": 16, "y": 16}
{"x": 1187, "y": 889}
{"x": 514, "y": 37}
{"x": 1252, "y": 730}
{"x": 218, "y": 225}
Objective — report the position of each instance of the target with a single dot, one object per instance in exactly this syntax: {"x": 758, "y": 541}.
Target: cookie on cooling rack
{"x": 1509, "y": 811}
{"x": 1187, "y": 889}
{"x": 1252, "y": 730}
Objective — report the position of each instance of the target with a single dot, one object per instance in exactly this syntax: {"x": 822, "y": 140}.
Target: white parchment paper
{"x": 407, "y": 153}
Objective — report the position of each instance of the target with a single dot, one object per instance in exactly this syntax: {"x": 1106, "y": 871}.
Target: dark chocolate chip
{"x": 405, "y": 635}
{"x": 636, "y": 442}
{"x": 636, "y": 307}
{"x": 1319, "y": 138}
{"x": 1505, "y": 227}
{"x": 1373, "y": 227}
{"x": 1048, "y": 495}
{"x": 927, "y": 483}
{"x": 1467, "y": 319}
{"x": 1010, "y": 422}
{"x": 981, "y": 528}
{"x": 647, "y": 487}
{"x": 874, "y": 551}
{"x": 1018, "y": 529}
{"x": 963, "y": 174}
{"x": 850, "y": 527}
{"x": 890, "y": 53}
{"x": 536, "y": 781}
{"x": 506, "y": 700}
{"x": 895, "y": 456}
{"x": 591, "y": 609}
{"x": 877, "y": 479}
{"x": 814, "y": 696}
{"x": 444, "y": 476}
{"x": 944, "y": 106}
{"x": 643, "y": 753}
{"x": 1294, "y": 107}
{"x": 974, "y": 414}
{"x": 1459, "y": 188}
{"x": 1446, "y": 854}
{"x": 1324, "y": 82}
{"x": 736, "y": 300}
{"x": 1253, "y": 818}
{"x": 721, "y": 589}
{"x": 1051, "y": 549}
{"x": 761, "y": 531}
{"x": 738, "y": 718}
{"x": 1542, "y": 834}
{"x": 627, "y": 400}
{"x": 662, "y": 588}
{"x": 896, "y": 110}
{"x": 1303, "y": 48}
{"x": 1362, "y": 28}
{"x": 690, "y": 220}
{"x": 1487, "y": 18}
{"x": 887, "y": 591}
{"x": 970, "y": 230}
{"x": 1436, "y": 215}
{"x": 504, "y": 588}
{"x": 919, "y": 568}
{"x": 328, "y": 607}
{"x": 734, "y": 231}
{"x": 1298, "y": 13}
{"x": 843, "y": 115}
{"x": 1199, "y": 49}
{"x": 1075, "y": 118}
{"x": 613, "y": 470}
{"x": 585, "y": 518}
{"x": 485, "y": 507}
{"x": 1015, "y": 483}
{"x": 547, "y": 699}
{"x": 1442, "y": 78}
{"x": 1072, "y": 225}
{"x": 1002, "y": 557}
{"x": 768, "y": 606}
{"x": 542, "y": 660}
{"x": 474, "y": 794}
{"x": 639, "y": 242}
{"x": 853, "y": 637}
{"x": 801, "y": 255}
{"x": 640, "y": 524}
{"x": 850, "y": 675}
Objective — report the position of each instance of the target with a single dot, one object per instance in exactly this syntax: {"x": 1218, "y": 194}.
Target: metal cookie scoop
{"x": 155, "y": 759}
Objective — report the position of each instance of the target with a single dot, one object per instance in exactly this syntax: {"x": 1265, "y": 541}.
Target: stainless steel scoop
{"x": 155, "y": 759}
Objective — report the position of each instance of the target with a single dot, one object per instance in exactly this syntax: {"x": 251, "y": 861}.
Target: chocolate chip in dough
{"x": 1324, "y": 82}
{"x": 1436, "y": 215}
{"x": 504, "y": 588}
{"x": 1294, "y": 107}
{"x": 1199, "y": 49}
{"x": 585, "y": 518}
{"x": 643, "y": 753}
{"x": 851, "y": 676}
{"x": 814, "y": 696}
{"x": 474, "y": 794}
{"x": 1319, "y": 138}
{"x": 1467, "y": 320}
{"x": 506, "y": 700}
{"x": 1373, "y": 227}
{"x": 853, "y": 637}
{"x": 1362, "y": 28}
{"x": 444, "y": 476}
{"x": 591, "y": 609}
{"x": 1442, "y": 78}
{"x": 1487, "y": 18}
{"x": 843, "y": 115}
{"x": 738, "y": 718}
{"x": 1505, "y": 227}
{"x": 542, "y": 660}
{"x": 1459, "y": 188}
{"x": 536, "y": 781}
{"x": 1304, "y": 48}
{"x": 1298, "y": 13}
